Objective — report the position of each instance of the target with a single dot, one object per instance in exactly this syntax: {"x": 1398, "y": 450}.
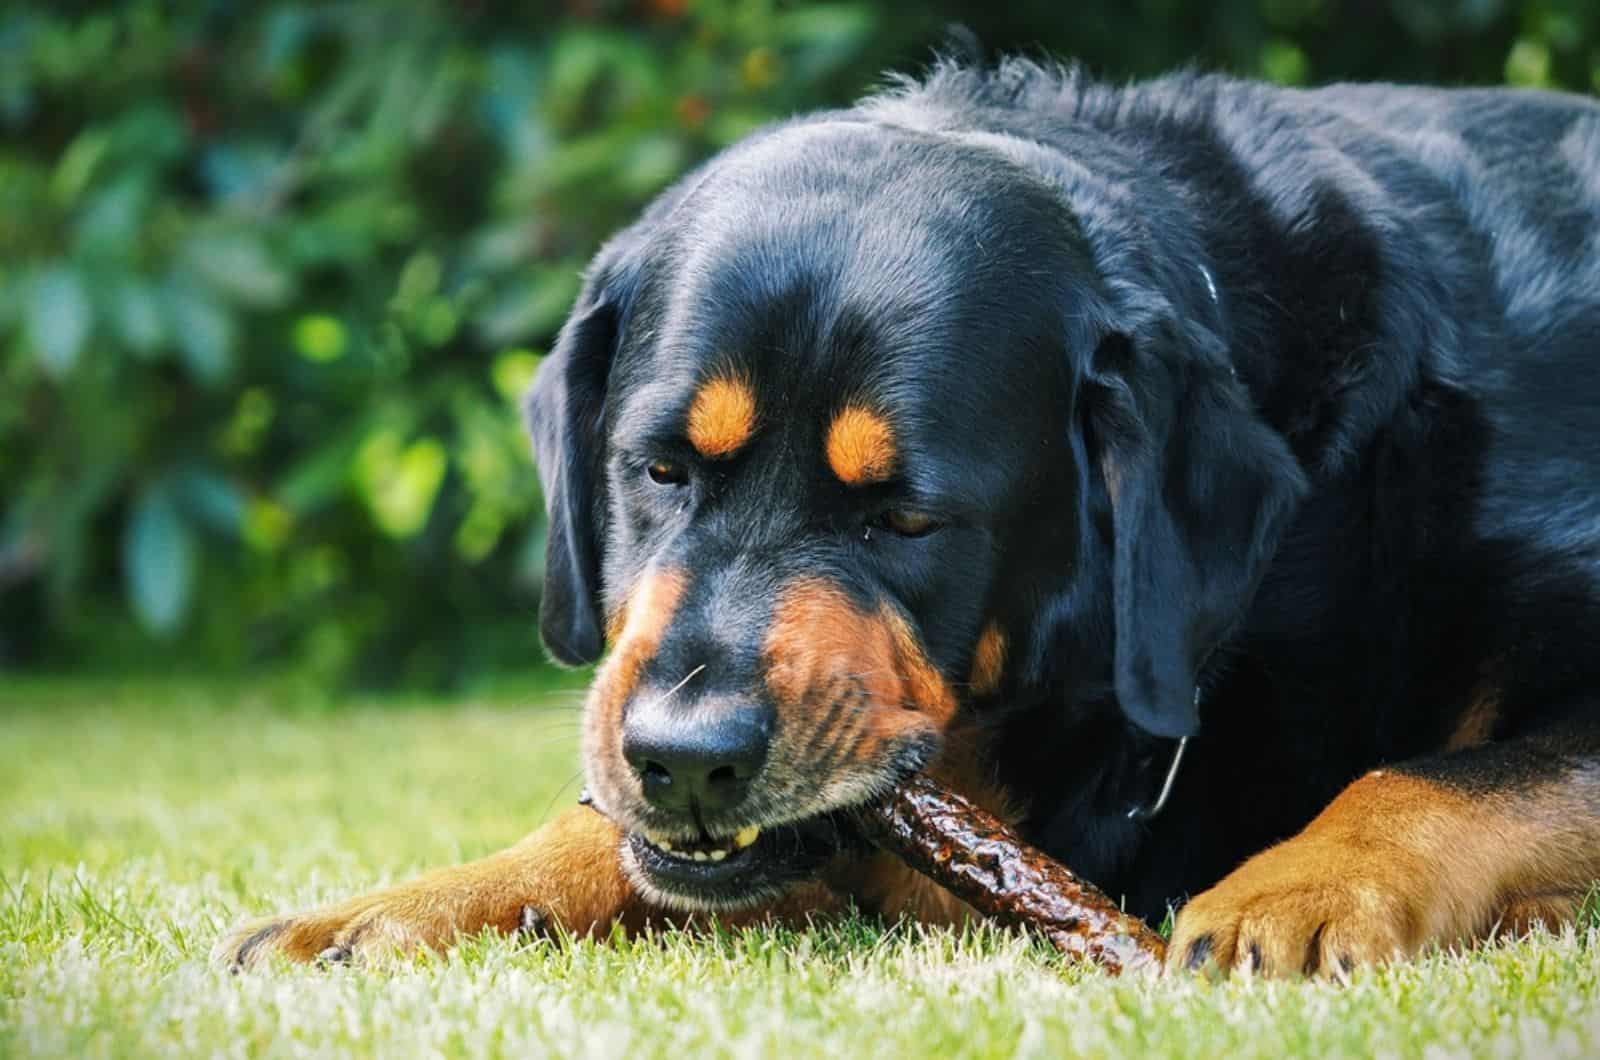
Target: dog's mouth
{"x": 752, "y": 865}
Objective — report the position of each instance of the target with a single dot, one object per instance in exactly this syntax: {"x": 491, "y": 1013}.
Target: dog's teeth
{"x": 745, "y": 836}
{"x": 701, "y": 855}
{"x": 718, "y": 855}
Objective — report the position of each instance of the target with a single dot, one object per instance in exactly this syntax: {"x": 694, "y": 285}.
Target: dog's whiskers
{"x": 690, "y": 676}
{"x": 559, "y": 792}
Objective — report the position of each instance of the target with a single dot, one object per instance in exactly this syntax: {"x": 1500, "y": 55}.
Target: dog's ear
{"x": 1201, "y": 489}
{"x": 564, "y": 412}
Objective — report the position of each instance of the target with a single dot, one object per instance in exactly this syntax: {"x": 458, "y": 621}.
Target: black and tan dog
{"x": 1016, "y": 427}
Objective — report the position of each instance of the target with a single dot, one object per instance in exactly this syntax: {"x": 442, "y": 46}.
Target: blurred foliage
{"x": 272, "y": 275}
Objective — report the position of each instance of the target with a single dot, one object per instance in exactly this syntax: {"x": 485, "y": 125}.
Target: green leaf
{"x": 651, "y": 163}
{"x": 531, "y": 307}
{"x": 513, "y": 373}
{"x": 204, "y": 332}
{"x": 1528, "y": 64}
{"x": 238, "y": 267}
{"x": 78, "y": 164}
{"x": 826, "y": 37}
{"x": 110, "y": 222}
{"x": 211, "y": 499}
{"x": 418, "y": 280}
{"x": 158, "y": 561}
{"x": 1282, "y": 61}
{"x": 400, "y": 481}
{"x": 137, "y": 316}
{"x": 320, "y": 337}
{"x": 154, "y": 131}
{"x": 317, "y": 479}
{"x": 59, "y": 319}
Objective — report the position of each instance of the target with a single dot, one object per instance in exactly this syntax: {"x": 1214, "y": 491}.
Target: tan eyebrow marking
{"x": 722, "y": 417}
{"x": 860, "y": 446}
{"x": 988, "y": 660}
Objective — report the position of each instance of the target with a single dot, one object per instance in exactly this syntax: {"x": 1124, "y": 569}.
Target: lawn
{"x": 139, "y": 819}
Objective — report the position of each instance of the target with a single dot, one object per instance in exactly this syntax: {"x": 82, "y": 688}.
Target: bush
{"x": 273, "y": 275}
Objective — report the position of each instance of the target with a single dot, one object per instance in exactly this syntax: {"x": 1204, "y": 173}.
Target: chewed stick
{"x": 978, "y": 858}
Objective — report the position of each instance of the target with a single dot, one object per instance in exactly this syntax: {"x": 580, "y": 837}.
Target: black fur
{"x": 1293, "y": 395}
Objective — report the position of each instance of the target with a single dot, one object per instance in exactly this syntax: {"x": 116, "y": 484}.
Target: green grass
{"x": 136, "y": 822}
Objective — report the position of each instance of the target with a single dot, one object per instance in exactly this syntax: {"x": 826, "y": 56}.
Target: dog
{"x": 1203, "y": 475}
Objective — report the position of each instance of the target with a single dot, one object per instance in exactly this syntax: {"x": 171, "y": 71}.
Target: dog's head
{"x": 852, "y": 435}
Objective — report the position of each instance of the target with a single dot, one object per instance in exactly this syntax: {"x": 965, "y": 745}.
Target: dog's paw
{"x": 1310, "y": 906}
{"x": 365, "y": 931}
{"x": 303, "y": 937}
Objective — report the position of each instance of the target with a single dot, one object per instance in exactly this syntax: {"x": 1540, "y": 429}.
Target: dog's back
{"x": 1493, "y": 197}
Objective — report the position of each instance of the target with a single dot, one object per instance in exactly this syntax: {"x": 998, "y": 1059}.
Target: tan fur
{"x": 1394, "y": 864}
{"x": 645, "y": 618}
{"x": 988, "y": 660}
{"x": 566, "y": 873}
{"x": 722, "y": 417}
{"x": 853, "y": 690}
{"x": 805, "y": 903}
{"x": 644, "y": 621}
{"x": 860, "y": 446}
{"x": 1549, "y": 911}
{"x": 1111, "y": 471}
{"x": 566, "y": 876}
{"x": 884, "y": 884}
{"x": 1477, "y": 722}
{"x": 926, "y": 690}
{"x": 819, "y": 636}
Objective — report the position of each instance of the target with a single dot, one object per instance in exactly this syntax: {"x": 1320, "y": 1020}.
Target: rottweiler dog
{"x": 1204, "y": 475}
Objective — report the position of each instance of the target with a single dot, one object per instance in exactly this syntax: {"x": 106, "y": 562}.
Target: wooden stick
{"x": 978, "y": 858}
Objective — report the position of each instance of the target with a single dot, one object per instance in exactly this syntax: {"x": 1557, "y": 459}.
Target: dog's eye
{"x": 907, "y": 522}
{"x": 667, "y": 473}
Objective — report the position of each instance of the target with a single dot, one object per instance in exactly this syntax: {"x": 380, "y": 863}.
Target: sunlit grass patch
{"x": 136, "y": 823}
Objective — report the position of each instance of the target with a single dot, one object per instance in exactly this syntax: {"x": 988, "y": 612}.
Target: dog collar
{"x": 1146, "y": 811}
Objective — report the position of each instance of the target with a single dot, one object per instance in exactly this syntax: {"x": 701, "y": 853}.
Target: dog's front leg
{"x": 568, "y": 872}
{"x": 567, "y": 875}
{"x": 1438, "y": 851}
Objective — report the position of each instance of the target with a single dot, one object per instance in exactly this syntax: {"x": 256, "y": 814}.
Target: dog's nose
{"x": 696, "y": 757}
